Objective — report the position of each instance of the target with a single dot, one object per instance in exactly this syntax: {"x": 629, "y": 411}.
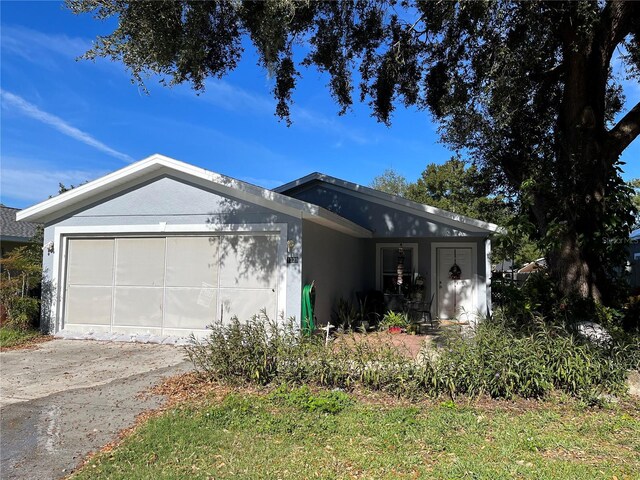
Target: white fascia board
{"x": 157, "y": 163}
{"x": 395, "y": 201}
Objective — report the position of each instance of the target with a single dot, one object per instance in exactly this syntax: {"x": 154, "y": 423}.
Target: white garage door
{"x": 170, "y": 285}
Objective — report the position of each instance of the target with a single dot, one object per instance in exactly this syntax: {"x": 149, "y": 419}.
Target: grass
{"x": 304, "y": 434}
{"x": 12, "y": 337}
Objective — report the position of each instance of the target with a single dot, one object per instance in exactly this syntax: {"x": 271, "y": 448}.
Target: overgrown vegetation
{"x": 300, "y": 433}
{"x": 20, "y": 276}
{"x": 497, "y": 361}
{"x": 539, "y": 298}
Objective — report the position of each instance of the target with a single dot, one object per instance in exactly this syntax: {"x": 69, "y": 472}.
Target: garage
{"x": 168, "y": 285}
{"x": 161, "y": 249}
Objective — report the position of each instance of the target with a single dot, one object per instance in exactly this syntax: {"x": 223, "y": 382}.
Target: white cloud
{"x": 309, "y": 118}
{"x": 37, "y": 47}
{"x": 35, "y": 183}
{"x": 237, "y": 99}
{"x": 25, "y": 108}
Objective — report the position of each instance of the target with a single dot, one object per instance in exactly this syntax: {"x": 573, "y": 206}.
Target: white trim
{"x": 156, "y": 165}
{"x": 394, "y": 201}
{"x": 479, "y": 303}
{"x": 380, "y": 246}
{"x": 61, "y": 236}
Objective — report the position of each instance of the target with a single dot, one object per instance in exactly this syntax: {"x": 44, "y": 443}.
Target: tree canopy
{"x": 526, "y": 88}
{"x": 461, "y": 188}
{"x": 391, "y": 182}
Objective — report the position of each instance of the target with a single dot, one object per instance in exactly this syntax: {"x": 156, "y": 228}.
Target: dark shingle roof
{"x": 9, "y": 227}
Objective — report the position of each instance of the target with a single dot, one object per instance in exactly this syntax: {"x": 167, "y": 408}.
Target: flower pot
{"x": 395, "y": 330}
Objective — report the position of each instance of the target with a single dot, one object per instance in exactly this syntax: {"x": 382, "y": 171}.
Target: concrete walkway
{"x": 69, "y": 397}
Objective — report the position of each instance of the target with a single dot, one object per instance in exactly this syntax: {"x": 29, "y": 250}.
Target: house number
{"x": 292, "y": 259}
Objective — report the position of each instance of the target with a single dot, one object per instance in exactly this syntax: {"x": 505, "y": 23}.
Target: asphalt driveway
{"x": 69, "y": 397}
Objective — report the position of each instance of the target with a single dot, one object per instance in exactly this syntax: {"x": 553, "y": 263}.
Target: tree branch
{"x": 617, "y": 20}
{"x": 627, "y": 129}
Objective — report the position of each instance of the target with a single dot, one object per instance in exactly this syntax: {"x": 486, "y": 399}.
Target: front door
{"x": 455, "y": 283}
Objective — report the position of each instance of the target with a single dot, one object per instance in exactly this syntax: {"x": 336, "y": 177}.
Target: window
{"x": 389, "y": 258}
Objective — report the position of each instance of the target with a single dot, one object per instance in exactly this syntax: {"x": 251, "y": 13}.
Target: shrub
{"x": 19, "y": 281}
{"x": 497, "y": 360}
{"x": 241, "y": 352}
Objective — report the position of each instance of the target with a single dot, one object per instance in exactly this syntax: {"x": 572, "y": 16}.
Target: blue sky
{"x": 70, "y": 121}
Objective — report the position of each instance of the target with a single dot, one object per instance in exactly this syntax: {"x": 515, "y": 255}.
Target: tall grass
{"x": 495, "y": 360}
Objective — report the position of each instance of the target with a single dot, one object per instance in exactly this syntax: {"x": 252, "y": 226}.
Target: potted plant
{"x": 394, "y": 322}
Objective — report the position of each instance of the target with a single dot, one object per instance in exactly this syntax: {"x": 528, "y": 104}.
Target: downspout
{"x": 487, "y": 251}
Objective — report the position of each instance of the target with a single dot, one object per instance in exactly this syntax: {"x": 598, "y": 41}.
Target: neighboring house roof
{"x": 12, "y": 230}
{"x": 539, "y": 264}
{"x": 635, "y": 235}
{"x": 504, "y": 266}
{"x": 394, "y": 201}
{"x": 156, "y": 165}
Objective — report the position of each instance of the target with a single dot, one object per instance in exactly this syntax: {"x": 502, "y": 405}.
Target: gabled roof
{"x": 157, "y": 165}
{"x": 12, "y": 230}
{"x": 394, "y": 201}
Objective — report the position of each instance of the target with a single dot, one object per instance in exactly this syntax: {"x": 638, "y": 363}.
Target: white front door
{"x": 455, "y": 283}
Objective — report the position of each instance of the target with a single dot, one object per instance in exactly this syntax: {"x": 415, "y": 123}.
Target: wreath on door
{"x": 455, "y": 272}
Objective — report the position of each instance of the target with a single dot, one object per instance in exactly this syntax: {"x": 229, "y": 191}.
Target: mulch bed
{"x": 407, "y": 344}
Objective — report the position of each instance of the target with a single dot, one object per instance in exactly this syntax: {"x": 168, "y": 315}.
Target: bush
{"x": 497, "y": 360}
{"x": 501, "y": 363}
{"x": 19, "y": 282}
{"x": 242, "y": 352}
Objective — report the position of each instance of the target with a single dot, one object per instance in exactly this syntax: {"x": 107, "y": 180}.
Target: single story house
{"x": 162, "y": 247}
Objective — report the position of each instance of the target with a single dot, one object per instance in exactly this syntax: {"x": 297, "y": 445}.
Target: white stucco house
{"x": 162, "y": 247}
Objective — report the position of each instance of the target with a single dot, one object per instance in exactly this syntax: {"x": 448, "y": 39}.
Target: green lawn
{"x": 246, "y": 435}
{"x": 11, "y": 337}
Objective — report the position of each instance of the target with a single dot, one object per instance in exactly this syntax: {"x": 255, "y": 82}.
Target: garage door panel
{"x": 248, "y": 261}
{"x": 138, "y": 306}
{"x": 169, "y": 285}
{"x": 244, "y": 303}
{"x": 192, "y": 261}
{"x": 140, "y": 261}
{"x": 88, "y": 305}
{"x": 90, "y": 262}
{"x": 189, "y": 308}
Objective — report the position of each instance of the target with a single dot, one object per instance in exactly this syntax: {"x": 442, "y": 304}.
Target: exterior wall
{"x": 382, "y": 220}
{"x": 166, "y": 200}
{"x": 336, "y": 262}
{"x": 391, "y": 225}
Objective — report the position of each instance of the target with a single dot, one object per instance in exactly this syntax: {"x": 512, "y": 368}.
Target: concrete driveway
{"x": 69, "y": 397}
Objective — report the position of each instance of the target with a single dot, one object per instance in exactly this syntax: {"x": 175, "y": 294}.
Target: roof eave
{"x": 142, "y": 169}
